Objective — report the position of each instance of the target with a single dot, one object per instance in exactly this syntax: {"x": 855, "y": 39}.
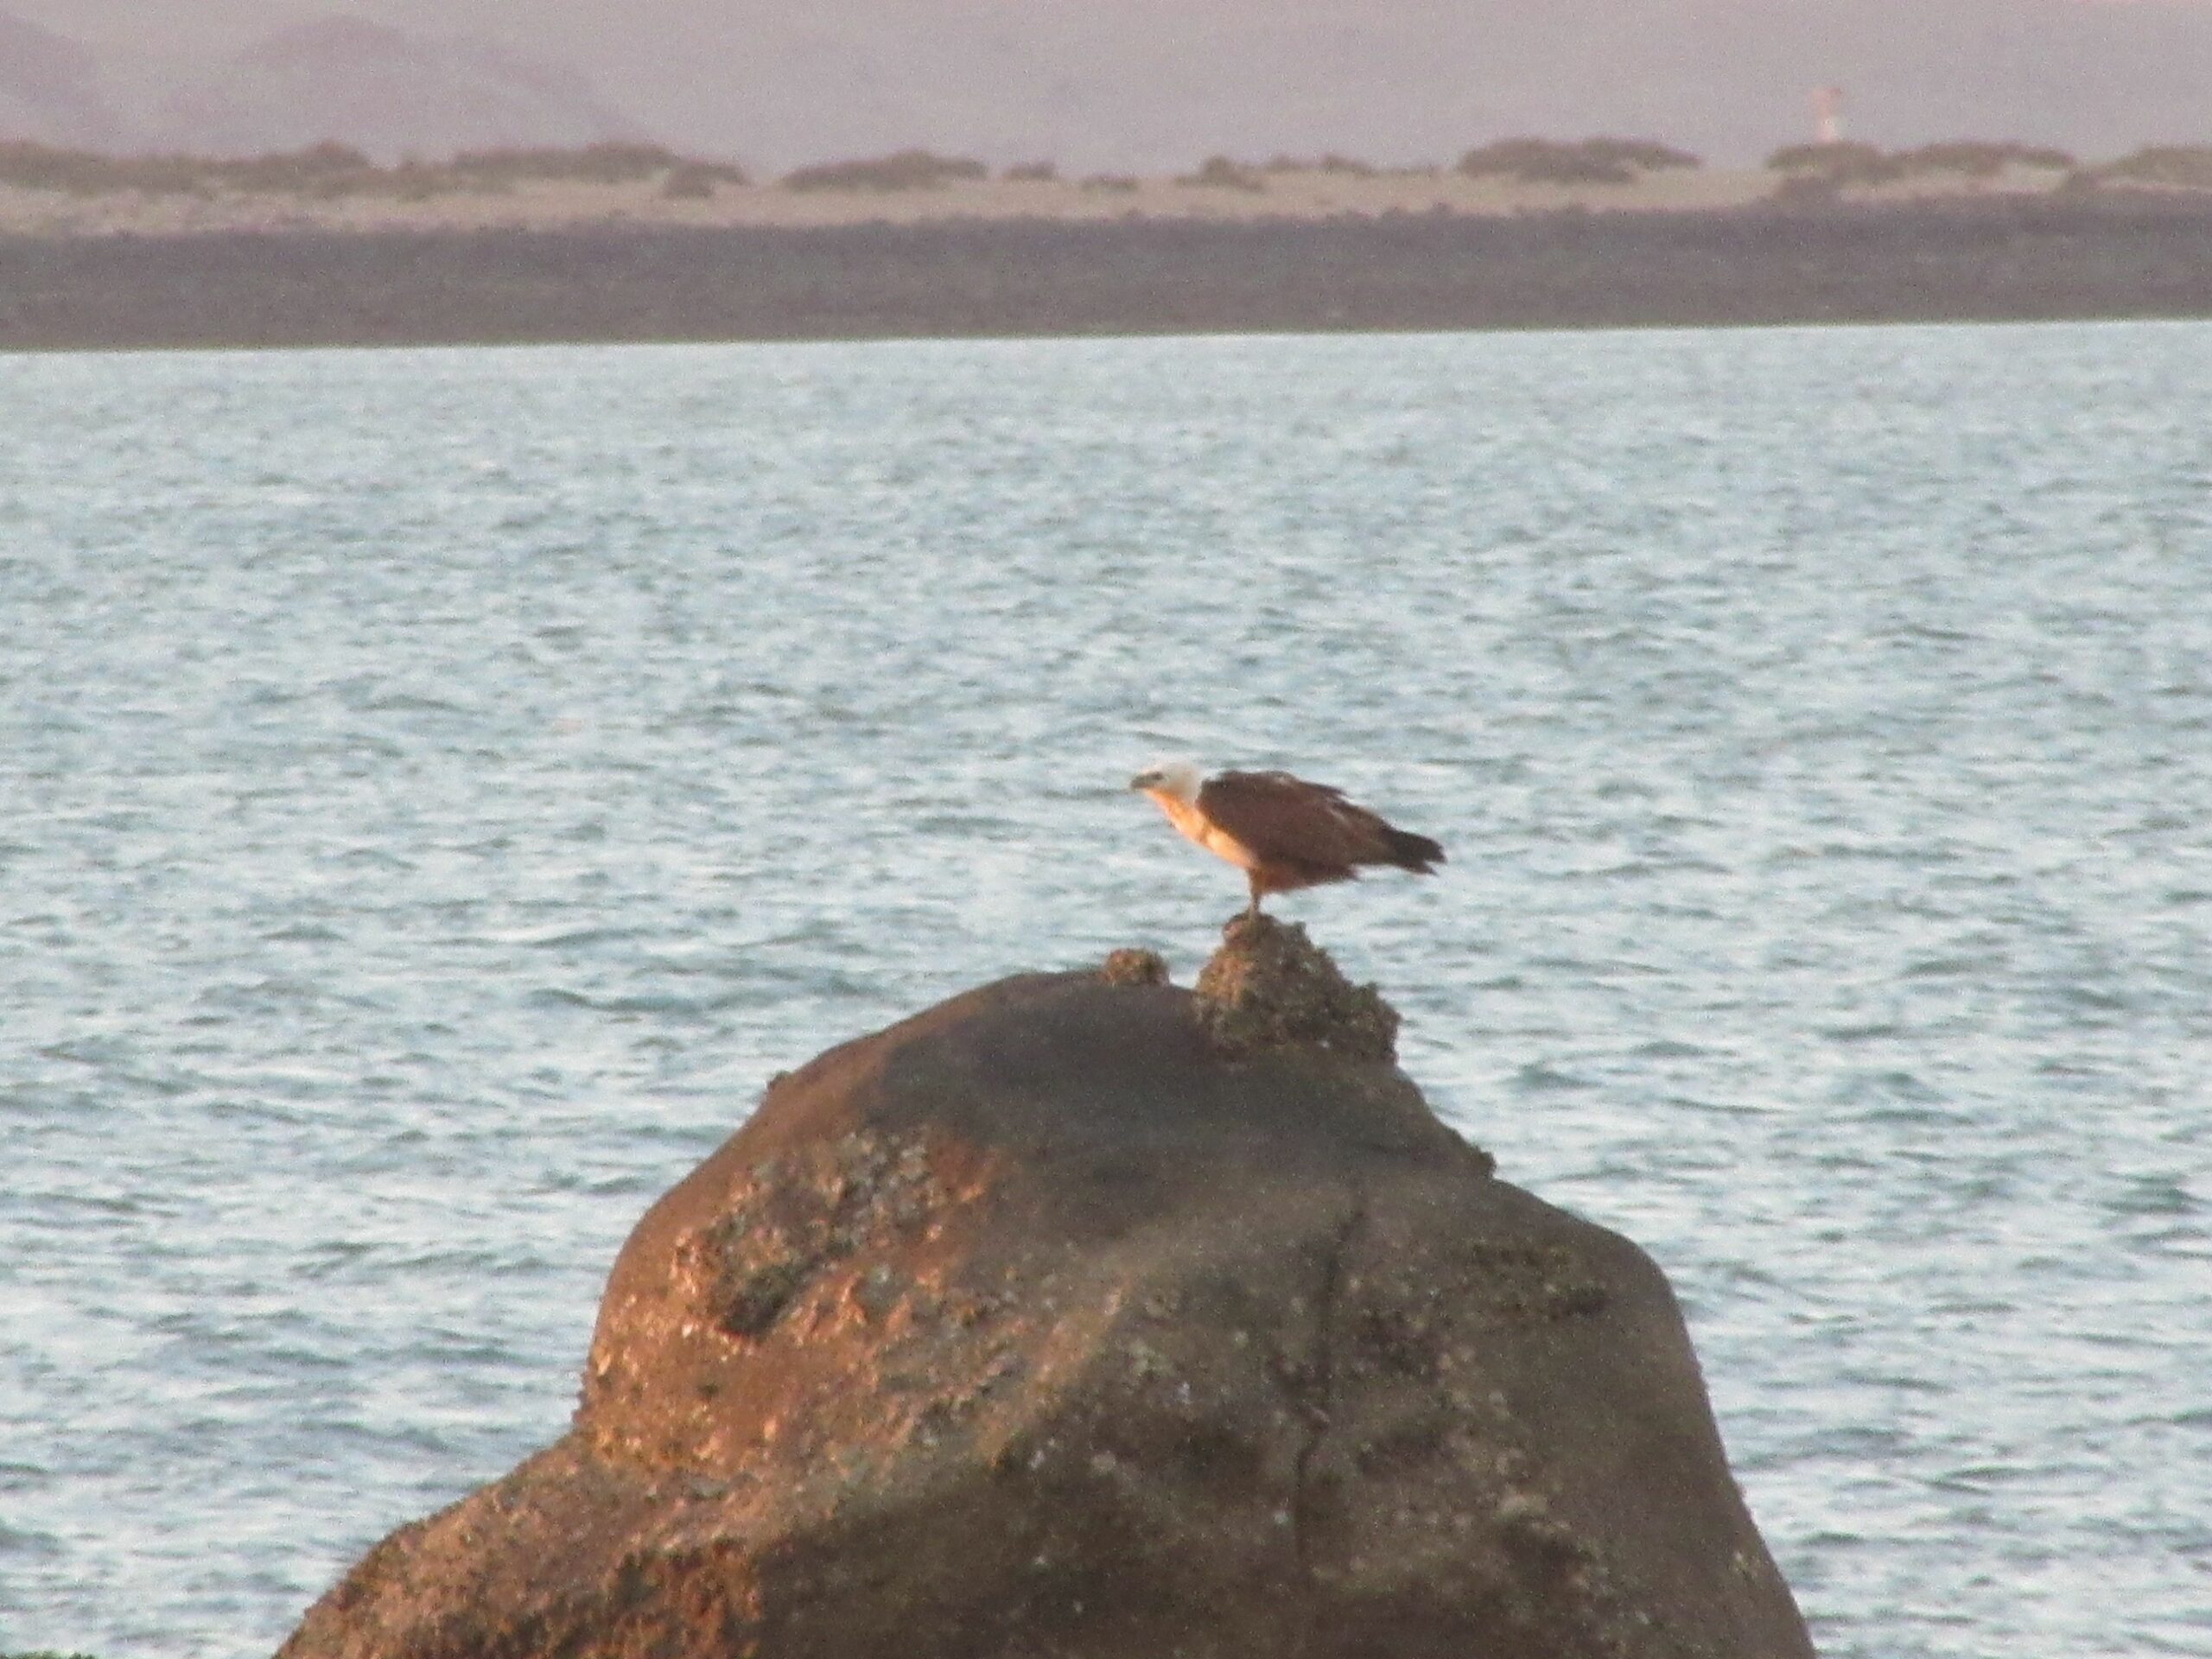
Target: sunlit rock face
{"x": 1084, "y": 1315}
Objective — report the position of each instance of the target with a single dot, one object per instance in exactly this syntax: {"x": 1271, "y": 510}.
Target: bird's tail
{"x": 1411, "y": 852}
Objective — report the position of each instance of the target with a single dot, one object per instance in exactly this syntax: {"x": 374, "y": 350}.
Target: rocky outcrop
{"x": 1056, "y": 1321}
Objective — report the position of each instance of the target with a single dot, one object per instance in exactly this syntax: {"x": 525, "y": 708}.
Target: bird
{"x": 1283, "y": 832}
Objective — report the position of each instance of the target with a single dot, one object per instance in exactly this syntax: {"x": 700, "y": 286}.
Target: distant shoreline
{"x": 2003, "y": 259}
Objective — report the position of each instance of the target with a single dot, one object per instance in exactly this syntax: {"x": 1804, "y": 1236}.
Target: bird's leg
{"x": 1252, "y": 910}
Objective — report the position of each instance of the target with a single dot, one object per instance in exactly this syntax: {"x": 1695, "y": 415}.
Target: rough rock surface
{"x": 1270, "y": 987}
{"x": 1053, "y": 1322}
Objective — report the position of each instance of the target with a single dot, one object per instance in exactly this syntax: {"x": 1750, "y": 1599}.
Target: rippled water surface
{"x": 441, "y": 787}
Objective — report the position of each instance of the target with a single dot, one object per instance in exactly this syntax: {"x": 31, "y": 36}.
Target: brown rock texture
{"x": 1047, "y": 1324}
{"x": 1269, "y": 987}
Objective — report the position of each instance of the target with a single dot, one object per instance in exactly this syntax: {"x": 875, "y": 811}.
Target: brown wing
{"x": 1287, "y": 820}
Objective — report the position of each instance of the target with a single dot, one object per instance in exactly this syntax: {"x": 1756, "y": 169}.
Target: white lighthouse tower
{"x": 1828, "y": 115}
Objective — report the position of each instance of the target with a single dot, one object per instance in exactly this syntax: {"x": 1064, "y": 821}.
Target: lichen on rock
{"x": 786, "y": 1226}
{"x": 1133, "y": 967}
{"x": 1269, "y": 986}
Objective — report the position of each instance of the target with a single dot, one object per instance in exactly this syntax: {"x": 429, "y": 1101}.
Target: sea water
{"x": 438, "y": 788}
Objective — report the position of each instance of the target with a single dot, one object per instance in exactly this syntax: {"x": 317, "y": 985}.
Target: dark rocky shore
{"x": 1084, "y": 1315}
{"x": 2102, "y": 255}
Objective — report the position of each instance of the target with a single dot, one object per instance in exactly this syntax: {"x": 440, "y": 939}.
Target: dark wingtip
{"x": 1415, "y": 853}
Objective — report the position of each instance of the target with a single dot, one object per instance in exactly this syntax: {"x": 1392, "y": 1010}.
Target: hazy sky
{"x": 1160, "y": 83}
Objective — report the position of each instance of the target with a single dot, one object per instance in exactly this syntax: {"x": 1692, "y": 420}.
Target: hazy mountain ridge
{"x": 50, "y": 88}
{"x": 386, "y": 90}
{"x": 1141, "y": 85}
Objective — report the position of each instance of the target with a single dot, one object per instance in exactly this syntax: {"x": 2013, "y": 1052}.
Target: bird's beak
{"x": 1144, "y": 780}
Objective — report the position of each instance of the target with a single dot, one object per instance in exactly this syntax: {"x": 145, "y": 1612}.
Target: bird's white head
{"x": 1178, "y": 779}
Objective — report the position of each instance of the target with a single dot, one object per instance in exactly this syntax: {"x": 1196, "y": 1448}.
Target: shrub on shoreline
{"x": 1836, "y": 165}
{"x": 1840, "y": 166}
{"x": 1330, "y": 161}
{"x": 2184, "y": 166}
{"x": 330, "y": 169}
{"x": 1588, "y": 161}
{"x": 1219, "y": 173}
{"x": 602, "y": 163}
{"x": 905, "y": 170}
{"x": 1979, "y": 159}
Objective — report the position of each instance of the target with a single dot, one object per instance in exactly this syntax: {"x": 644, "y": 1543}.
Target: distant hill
{"x": 1146, "y": 86}
{"x": 384, "y": 90}
{"x": 51, "y": 90}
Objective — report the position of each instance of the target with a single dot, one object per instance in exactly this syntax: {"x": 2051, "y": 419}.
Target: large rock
{"x": 1081, "y": 1317}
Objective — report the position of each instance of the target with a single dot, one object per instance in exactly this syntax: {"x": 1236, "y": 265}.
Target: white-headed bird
{"x": 1281, "y": 832}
